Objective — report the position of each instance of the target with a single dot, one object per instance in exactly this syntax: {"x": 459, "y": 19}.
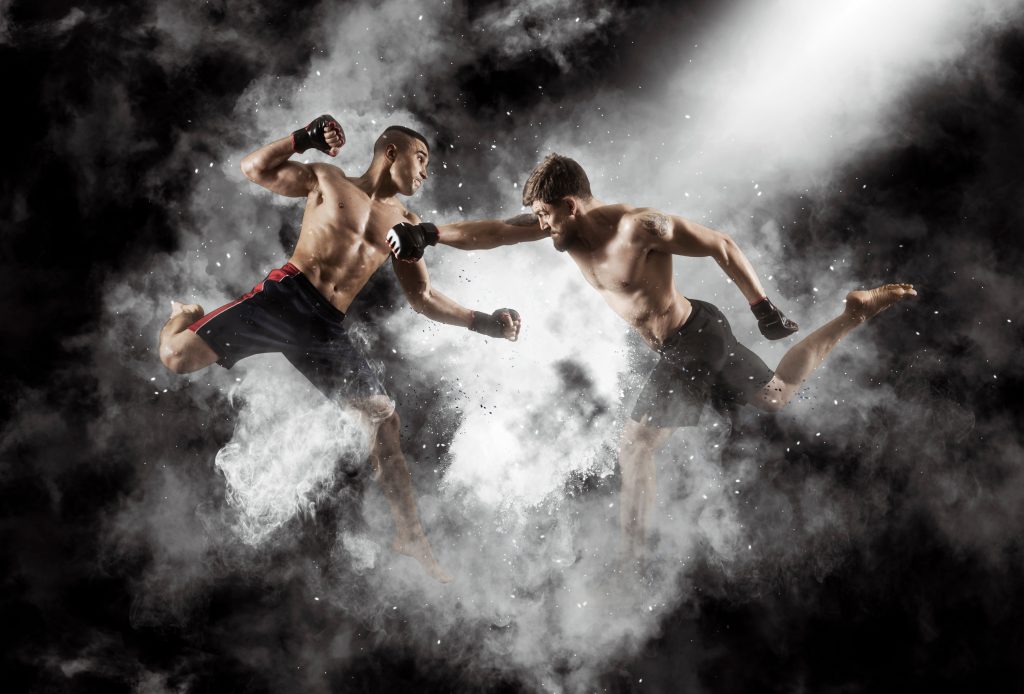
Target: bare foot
{"x": 863, "y": 304}
{"x": 419, "y": 549}
{"x": 194, "y": 311}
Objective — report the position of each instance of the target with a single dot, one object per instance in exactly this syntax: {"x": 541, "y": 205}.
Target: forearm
{"x": 735, "y": 264}
{"x": 438, "y": 307}
{"x": 482, "y": 235}
{"x": 470, "y": 236}
{"x": 267, "y": 158}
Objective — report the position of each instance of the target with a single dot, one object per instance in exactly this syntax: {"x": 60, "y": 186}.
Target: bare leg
{"x": 806, "y": 356}
{"x": 181, "y": 350}
{"x": 396, "y": 483}
{"x": 637, "y": 447}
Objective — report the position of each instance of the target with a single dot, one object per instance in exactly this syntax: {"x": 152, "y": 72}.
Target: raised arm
{"x": 672, "y": 234}
{"x": 270, "y": 167}
{"x": 472, "y": 236}
{"x": 415, "y": 283}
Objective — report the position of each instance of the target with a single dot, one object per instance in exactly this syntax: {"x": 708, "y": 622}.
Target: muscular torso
{"x": 635, "y": 280}
{"x": 343, "y": 237}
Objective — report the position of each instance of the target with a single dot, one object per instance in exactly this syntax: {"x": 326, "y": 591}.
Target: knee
{"x": 775, "y": 395}
{"x": 380, "y": 409}
{"x": 186, "y": 352}
{"x": 772, "y": 404}
{"x": 174, "y": 360}
{"x": 639, "y": 439}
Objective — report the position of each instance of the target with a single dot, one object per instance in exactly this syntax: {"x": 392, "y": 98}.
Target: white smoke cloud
{"x": 286, "y": 448}
{"x": 771, "y": 102}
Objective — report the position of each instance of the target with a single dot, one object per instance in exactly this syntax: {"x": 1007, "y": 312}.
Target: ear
{"x": 573, "y": 204}
{"x": 391, "y": 152}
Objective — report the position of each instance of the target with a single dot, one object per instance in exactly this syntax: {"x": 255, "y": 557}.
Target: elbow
{"x": 725, "y": 250}
{"x": 420, "y": 302}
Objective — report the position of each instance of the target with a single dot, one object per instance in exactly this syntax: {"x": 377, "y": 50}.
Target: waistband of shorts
{"x": 320, "y": 303}
{"x": 697, "y": 309}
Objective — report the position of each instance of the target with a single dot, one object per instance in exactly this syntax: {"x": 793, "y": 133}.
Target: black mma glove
{"x": 492, "y": 325}
{"x": 770, "y": 320}
{"x": 408, "y": 241}
{"x": 314, "y": 135}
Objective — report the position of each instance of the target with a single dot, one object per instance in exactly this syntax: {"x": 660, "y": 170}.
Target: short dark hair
{"x": 407, "y": 131}
{"x": 555, "y": 178}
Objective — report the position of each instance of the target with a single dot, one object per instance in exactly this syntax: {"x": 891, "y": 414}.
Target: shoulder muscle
{"x": 647, "y": 226}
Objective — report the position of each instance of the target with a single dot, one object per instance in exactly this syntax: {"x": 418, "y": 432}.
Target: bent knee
{"x": 172, "y": 361}
{"x": 771, "y": 406}
{"x": 185, "y": 353}
{"x": 379, "y": 409}
{"x": 774, "y": 396}
{"x": 176, "y": 361}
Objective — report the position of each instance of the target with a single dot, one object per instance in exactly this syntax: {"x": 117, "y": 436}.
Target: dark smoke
{"x": 873, "y": 544}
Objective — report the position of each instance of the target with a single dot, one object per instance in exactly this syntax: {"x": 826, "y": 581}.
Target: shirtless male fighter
{"x": 299, "y": 308}
{"x": 626, "y": 252}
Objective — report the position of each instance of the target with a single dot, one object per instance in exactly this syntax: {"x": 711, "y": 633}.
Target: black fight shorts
{"x": 702, "y": 361}
{"x": 285, "y": 313}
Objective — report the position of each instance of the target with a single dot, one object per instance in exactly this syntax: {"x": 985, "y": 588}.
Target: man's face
{"x": 554, "y": 217}
{"x": 409, "y": 170}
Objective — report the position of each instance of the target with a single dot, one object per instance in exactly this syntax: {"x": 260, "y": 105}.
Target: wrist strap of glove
{"x": 763, "y": 308}
{"x": 431, "y": 235}
{"x": 478, "y": 322}
{"x": 301, "y": 141}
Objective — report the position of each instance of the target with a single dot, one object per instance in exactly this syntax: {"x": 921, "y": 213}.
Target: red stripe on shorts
{"x": 276, "y": 275}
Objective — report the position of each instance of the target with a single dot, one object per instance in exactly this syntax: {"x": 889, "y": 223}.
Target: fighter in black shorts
{"x": 285, "y": 313}
{"x": 701, "y": 362}
{"x": 298, "y": 310}
{"x": 626, "y": 253}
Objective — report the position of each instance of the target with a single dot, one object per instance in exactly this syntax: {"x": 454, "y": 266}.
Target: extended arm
{"x": 423, "y": 298}
{"x": 409, "y": 240}
{"x": 680, "y": 236}
{"x": 270, "y": 167}
{"x": 471, "y": 236}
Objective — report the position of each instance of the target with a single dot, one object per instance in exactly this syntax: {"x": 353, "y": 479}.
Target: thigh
{"x": 256, "y": 323}
{"x": 341, "y": 372}
{"x": 772, "y": 396}
{"x": 743, "y": 373}
{"x": 671, "y": 397}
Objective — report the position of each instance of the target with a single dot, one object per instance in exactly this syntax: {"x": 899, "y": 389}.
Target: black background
{"x": 907, "y": 609}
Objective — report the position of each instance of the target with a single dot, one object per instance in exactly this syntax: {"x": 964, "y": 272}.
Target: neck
{"x": 586, "y": 206}
{"x": 376, "y": 181}
{"x": 584, "y": 226}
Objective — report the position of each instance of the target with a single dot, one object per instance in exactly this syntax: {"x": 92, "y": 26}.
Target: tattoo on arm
{"x": 522, "y": 220}
{"x": 656, "y": 224}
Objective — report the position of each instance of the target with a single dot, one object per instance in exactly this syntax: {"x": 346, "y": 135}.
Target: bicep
{"x": 292, "y": 179}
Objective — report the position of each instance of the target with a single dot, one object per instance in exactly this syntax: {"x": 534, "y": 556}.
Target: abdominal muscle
{"x": 342, "y": 240}
{"x": 654, "y": 319}
{"x": 338, "y": 268}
